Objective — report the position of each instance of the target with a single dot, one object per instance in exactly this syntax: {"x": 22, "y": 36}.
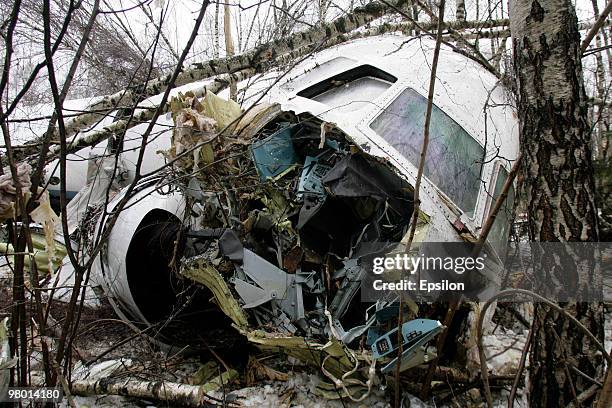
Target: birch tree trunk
{"x": 229, "y": 43}
{"x": 460, "y": 12}
{"x": 603, "y": 111}
{"x": 216, "y": 29}
{"x": 558, "y": 186}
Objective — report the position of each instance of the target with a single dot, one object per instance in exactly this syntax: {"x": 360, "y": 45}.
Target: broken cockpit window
{"x": 453, "y": 156}
{"x": 350, "y": 90}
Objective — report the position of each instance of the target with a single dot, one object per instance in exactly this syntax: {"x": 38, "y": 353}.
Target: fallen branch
{"x": 166, "y": 391}
{"x": 146, "y": 115}
{"x": 417, "y": 185}
{"x": 258, "y": 58}
{"x": 584, "y": 397}
{"x": 521, "y": 366}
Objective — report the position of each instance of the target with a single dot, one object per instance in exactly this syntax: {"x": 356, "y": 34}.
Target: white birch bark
{"x": 119, "y": 127}
{"x": 169, "y": 392}
{"x": 558, "y": 186}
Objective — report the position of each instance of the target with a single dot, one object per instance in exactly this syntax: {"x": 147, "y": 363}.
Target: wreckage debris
{"x": 266, "y": 222}
{"x": 279, "y": 218}
{"x": 415, "y": 335}
{"x": 291, "y": 212}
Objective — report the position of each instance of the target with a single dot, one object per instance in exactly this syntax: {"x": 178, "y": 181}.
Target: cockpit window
{"x": 350, "y": 90}
{"x": 453, "y": 156}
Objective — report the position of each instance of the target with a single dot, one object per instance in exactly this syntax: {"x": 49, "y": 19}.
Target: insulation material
{"x": 6, "y": 362}
{"x": 223, "y": 112}
{"x": 44, "y": 262}
{"x": 197, "y": 123}
{"x": 193, "y": 129}
{"x": 8, "y": 190}
{"x": 44, "y": 214}
{"x": 205, "y": 274}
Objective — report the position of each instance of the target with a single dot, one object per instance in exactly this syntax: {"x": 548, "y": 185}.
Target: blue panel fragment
{"x": 415, "y": 333}
{"x": 310, "y": 179}
{"x": 274, "y": 156}
{"x": 383, "y": 316}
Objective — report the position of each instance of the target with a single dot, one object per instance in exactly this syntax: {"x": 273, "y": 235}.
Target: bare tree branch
{"x": 259, "y": 58}
{"x": 596, "y": 27}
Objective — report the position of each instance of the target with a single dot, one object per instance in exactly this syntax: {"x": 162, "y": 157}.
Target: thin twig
{"x": 596, "y": 27}
{"x": 521, "y": 367}
{"x": 417, "y": 186}
{"x": 505, "y": 293}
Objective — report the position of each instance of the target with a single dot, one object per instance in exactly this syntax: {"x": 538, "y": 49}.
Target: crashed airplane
{"x": 267, "y": 210}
